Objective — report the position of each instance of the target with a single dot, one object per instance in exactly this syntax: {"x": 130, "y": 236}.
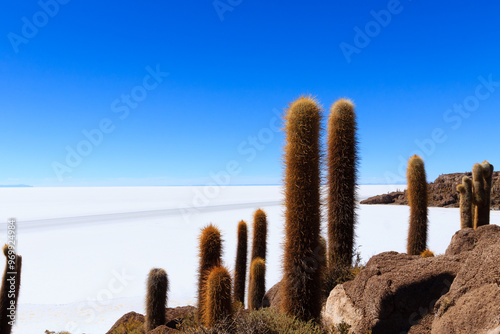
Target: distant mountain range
{"x": 15, "y": 186}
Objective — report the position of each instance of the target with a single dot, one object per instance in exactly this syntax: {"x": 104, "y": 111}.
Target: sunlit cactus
{"x": 417, "y": 199}
{"x": 301, "y": 284}
{"x": 218, "y": 303}
{"x": 466, "y": 209}
{"x": 257, "y": 286}
{"x": 210, "y": 257}
{"x": 342, "y": 171}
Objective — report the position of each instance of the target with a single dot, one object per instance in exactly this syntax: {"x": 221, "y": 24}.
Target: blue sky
{"x": 172, "y": 92}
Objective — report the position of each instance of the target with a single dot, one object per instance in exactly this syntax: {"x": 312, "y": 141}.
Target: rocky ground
{"x": 442, "y": 192}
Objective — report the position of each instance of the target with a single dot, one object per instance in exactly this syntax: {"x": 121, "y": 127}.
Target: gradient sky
{"x": 425, "y": 74}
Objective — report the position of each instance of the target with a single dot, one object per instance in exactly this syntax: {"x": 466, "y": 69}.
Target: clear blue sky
{"x": 71, "y": 66}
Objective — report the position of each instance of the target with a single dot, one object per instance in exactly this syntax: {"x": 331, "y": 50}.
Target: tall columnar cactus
{"x": 301, "y": 284}
{"x": 240, "y": 271}
{"x": 257, "y": 286}
{"x": 9, "y": 292}
{"x": 482, "y": 176}
{"x": 479, "y": 195}
{"x": 218, "y": 303}
{"x": 466, "y": 212}
{"x": 156, "y": 299}
{"x": 417, "y": 199}
{"x": 210, "y": 257}
{"x": 342, "y": 172}
{"x": 259, "y": 243}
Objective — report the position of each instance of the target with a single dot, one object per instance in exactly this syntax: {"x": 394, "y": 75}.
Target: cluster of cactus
{"x": 307, "y": 257}
{"x": 417, "y": 200}
{"x": 212, "y": 279}
{"x": 9, "y": 292}
{"x": 475, "y": 196}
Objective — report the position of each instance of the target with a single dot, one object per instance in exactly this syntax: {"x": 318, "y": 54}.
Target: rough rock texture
{"x": 128, "y": 322}
{"x": 133, "y": 321}
{"x": 442, "y": 192}
{"x": 473, "y": 303}
{"x": 272, "y": 298}
{"x": 163, "y": 330}
{"x": 392, "y": 293}
{"x": 458, "y": 292}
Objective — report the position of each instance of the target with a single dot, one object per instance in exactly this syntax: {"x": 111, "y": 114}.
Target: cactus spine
{"x": 156, "y": 300}
{"x": 301, "y": 284}
{"x": 10, "y": 282}
{"x": 240, "y": 271}
{"x": 259, "y": 243}
{"x": 257, "y": 286}
{"x": 342, "y": 165}
{"x": 466, "y": 212}
{"x": 417, "y": 199}
{"x": 217, "y": 296}
{"x": 210, "y": 257}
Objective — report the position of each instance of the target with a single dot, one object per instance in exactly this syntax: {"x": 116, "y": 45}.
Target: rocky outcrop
{"x": 458, "y": 292}
{"x": 135, "y": 321}
{"x": 442, "y": 193}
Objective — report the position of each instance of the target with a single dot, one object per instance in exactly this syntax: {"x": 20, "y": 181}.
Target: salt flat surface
{"x": 87, "y": 251}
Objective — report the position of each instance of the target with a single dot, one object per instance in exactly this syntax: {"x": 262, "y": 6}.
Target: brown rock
{"x": 176, "y": 315}
{"x": 442, "y": 192}
{"x": 458, "y": 292}
{"x": 393, "y": 293}
{"x": 130, "y": 321}
{"x": 272, "y": 298}
{"x": 473, "y": 303}
{"x": 134, "y": 321}
{"x": 163, "y": 330}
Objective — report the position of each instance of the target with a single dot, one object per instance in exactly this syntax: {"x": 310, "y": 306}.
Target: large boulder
{"x": 393, "y": 293}
{"x": 473, "y": 303}
{"x": 457, "y": 292}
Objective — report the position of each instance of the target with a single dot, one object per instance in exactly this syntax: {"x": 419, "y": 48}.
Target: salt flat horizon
{"x": 87, "y": 250}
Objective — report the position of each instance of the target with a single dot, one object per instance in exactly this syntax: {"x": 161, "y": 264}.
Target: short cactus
{"x": 466, "y": 212}
{"x": 259, "y": 243}
{"x": 218, "y": 303}
{"x": 257, "y": 287}
{"x": 210, "y": 257}
{"x": 240, "y": 271}
{"x": 417, "y": 199}
{"x": 156, "y": 300}
{"x": 342, "y": 172}
{"x": 9, "y": 292}
{"x": 301, "y": 284}
{"x": 427, "y": 253}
